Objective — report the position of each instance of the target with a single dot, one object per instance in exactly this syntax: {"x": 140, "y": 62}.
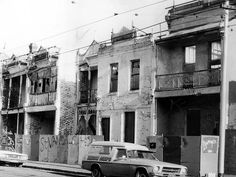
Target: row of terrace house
{"x": 34, "y": 98}
{"x": 132, "y": 87}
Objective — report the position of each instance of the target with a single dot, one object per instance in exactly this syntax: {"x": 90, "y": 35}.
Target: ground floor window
{"x": 13, "y": 123}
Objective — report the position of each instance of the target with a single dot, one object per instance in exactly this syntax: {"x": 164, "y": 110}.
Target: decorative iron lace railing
{"x": 185, "y": 80}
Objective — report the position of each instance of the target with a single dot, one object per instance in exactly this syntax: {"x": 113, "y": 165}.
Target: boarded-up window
{"x": 114, "y": 77}
{"x": 135, "y": 70}
{"x": 53, "y": 85}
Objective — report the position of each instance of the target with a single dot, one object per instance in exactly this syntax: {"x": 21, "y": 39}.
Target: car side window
{"x": 121, "y": 153}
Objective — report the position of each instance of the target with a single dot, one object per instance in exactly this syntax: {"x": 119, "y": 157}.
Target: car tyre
{"x": 141, "y": 173}
{"x": 96, "y": 172}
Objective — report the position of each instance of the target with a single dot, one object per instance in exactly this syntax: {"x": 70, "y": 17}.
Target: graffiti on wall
{"x": 7, "y": 142}
{"x": 48, "y": 142}
{"x": 53, "y": 148}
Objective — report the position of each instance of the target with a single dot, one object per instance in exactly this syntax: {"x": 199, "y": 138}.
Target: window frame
{"x": 190, "y": 60}
{"x": 112, "y": 78}
{"x": 214, "y": 63}
{"x": 133, "y": 74}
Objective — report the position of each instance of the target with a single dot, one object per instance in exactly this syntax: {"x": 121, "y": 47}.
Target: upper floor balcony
{"x": 42, "y": 99}
{"x": 188, "y": 80}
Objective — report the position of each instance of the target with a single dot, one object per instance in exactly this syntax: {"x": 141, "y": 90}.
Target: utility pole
{"x": 224, "y": 90}
{"x": 223, "y": 97}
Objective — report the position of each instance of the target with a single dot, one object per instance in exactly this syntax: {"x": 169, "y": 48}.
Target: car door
{"x": 120, "y": 166}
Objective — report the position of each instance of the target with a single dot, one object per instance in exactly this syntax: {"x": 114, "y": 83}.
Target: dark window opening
{"x": 114, "y": 77}
{"x": 135, "y": 70}
{"x": 83, "y": 88}
{"x": 6, "y": 92}
{"x": 15, "y": 92}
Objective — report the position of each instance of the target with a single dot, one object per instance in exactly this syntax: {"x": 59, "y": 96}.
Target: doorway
{"x": 193, "y": 122}
{"x": 106, "y": 128}
{"x": 129, "y": 127}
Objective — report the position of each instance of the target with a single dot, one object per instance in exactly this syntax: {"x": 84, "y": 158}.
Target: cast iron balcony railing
{"x": 185, "y": 80}
{"x": 84, "y": 96}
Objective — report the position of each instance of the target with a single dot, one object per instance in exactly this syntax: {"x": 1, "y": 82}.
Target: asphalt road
{"x": 28, "y": 172}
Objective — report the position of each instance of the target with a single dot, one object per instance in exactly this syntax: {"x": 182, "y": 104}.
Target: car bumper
{"x": 12, "y": 161}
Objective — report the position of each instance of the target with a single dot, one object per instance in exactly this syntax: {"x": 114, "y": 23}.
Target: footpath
{"x": 73, "y": 170}
{"x": 57, "y": 167}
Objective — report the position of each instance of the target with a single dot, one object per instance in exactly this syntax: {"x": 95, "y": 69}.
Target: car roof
{"x": 128, "y": 146}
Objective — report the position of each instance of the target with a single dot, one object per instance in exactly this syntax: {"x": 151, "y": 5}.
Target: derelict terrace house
{"x": 114, "y": 84}
{"x": 34, "y": 98}
{"x": 189, "y": 70}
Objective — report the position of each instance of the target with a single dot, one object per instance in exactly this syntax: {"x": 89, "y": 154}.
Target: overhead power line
{"x": 104, "y": 41}
{"x": 91, "y": 23}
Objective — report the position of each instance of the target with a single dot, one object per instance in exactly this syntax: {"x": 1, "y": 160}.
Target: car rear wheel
{"x": 96, "y": 172}
{"x": 141, "y": 173}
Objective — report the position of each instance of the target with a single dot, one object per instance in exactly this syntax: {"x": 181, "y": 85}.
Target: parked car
{"x": 106, "y": 158}
{"x": 12, "y": 158}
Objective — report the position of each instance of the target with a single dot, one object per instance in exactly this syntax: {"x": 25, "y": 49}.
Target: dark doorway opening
{"x": 129, "y": 126}
{"x": 193, "y": 122}
{"x": 106, "y": 128}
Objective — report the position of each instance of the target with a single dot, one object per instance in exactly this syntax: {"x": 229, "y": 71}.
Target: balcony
{"x": 188, "y": 80}
{"x": 42, "y": 99}
{"x": 85, "y": 97}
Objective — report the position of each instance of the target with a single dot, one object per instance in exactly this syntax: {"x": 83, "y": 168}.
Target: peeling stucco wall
{"x": 114, "y": 105}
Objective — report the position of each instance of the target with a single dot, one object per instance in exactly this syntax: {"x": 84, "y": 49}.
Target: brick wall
{"x": 67, "y": 107}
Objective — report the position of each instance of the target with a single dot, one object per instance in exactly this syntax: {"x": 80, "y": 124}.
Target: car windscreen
{"x": 141, "y": 154}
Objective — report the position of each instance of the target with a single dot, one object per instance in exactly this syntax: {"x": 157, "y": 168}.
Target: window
{"x": 135, "y": 70}
{"x": 121, "y": 153}
{"x": 114, "y": 77}
{"x": 216, "y": 54}
{"x": 190, "y": 54}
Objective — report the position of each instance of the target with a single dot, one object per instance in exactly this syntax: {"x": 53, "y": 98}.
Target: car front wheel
{"x": 141, "y": 173}
{"x": 96, "y": 172}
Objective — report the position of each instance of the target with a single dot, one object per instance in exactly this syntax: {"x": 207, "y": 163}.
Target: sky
{"x": 45, "y": 23}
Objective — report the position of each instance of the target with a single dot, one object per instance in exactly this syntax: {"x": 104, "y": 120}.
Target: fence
{"x": 50, "y": 148}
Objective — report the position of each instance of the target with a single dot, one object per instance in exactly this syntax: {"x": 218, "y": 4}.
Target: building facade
{"x": 188, "y": 78}
{"x": 119, "y": 79}
{"x": 34, "y": 97}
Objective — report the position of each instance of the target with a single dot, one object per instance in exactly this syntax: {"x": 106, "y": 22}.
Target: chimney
{"x": 32, "y": 48}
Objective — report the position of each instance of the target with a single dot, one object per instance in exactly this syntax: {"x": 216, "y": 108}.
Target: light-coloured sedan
{"x": 13, "y": 158}
{"x": 119, "y": 159}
